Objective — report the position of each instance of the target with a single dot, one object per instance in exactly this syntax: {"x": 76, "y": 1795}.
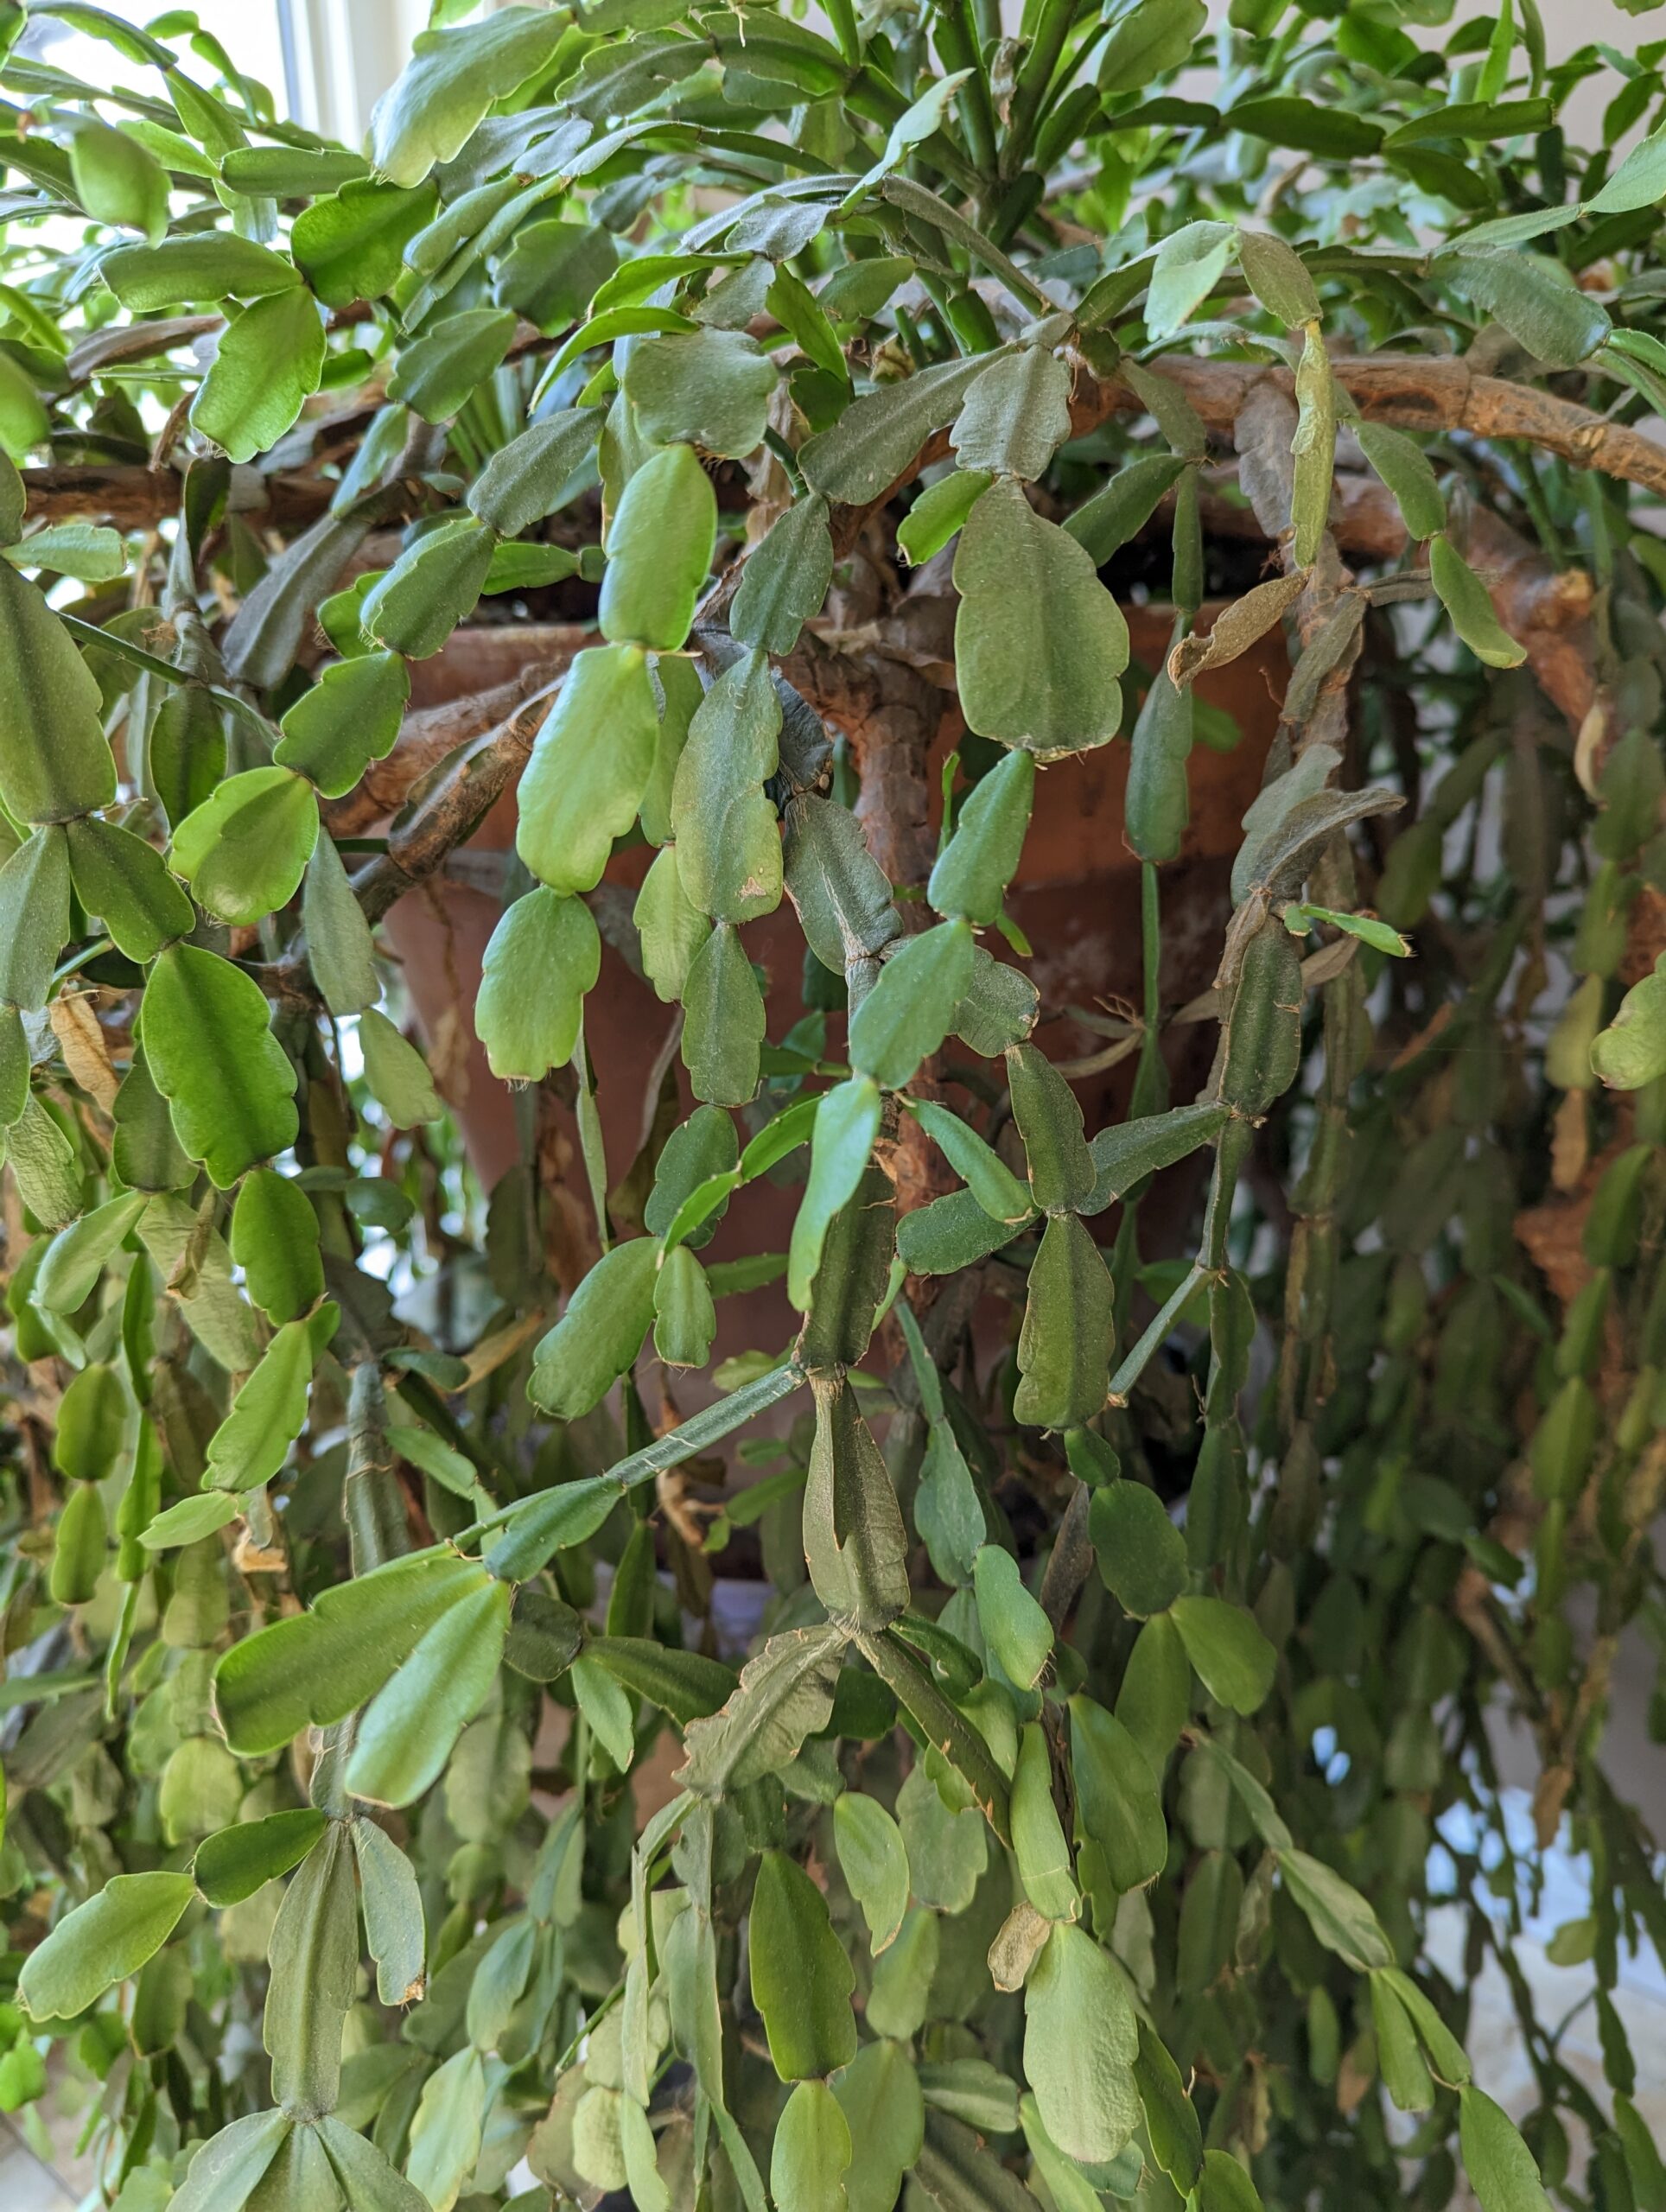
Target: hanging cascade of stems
{"x": 384, "y": 1823}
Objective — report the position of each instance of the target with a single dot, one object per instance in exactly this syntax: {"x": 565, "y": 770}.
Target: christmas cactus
{"x": 1142, "y": 1531}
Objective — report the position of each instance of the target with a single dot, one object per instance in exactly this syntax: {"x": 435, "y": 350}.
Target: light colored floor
{"x": 25, "y": 2185}
{"x": 1500, "y": 2062}
{"x": 1561, "y": 1993}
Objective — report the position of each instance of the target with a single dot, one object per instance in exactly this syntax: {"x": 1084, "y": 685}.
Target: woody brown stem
{"x": 445, "y": 818}
{"x": 137, "y": 498}
{"x": 464, "y": 794}
{"x": 1413, "y": 393}
{"x": 1549, "y": 611}
{"x": 1262, "y": 430}
{"x": 429, "y": 735}
{"x": 890, "y": 709}
{"x": 1364, "y": 519}
{"x": 890, "y": 712}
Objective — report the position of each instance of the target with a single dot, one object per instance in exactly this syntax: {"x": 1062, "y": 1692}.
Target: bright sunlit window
{"x": 250, "y": 31}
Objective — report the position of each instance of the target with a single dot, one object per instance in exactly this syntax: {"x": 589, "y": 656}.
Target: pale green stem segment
{"x": 1162, "y": 1322}
{"x": 683, "y": 1442}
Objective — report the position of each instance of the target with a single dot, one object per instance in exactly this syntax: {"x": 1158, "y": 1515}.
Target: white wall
{"x": 346, "y": 54}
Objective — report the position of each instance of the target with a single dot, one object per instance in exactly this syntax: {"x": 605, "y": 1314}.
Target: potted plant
{"x": 1149, "y": 1255}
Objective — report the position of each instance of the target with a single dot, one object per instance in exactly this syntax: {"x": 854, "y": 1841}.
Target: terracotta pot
{"x": 1077, "y": 899}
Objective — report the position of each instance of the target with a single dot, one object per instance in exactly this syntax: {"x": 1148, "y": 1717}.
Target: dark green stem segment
{"x": 943, "y": 1725}
{"x": 1069, "y": 121}
{"x": 1014, "y": 206}
{"x": 937, "y": 292}
{"x": 120, "y": 1643}
{"x": 372, "y": 1502}
{"x": 973, "y": 324}
{"x": 842, "y": 15}
{"x": 1070, "y": 1562}
{"x": 1151, "y": 955}
{"x": 482, "y": 1447}
{"x": 1230, "y": 1152}
{"x": 789, "y": 460}
{"x": 957, "y": 46}
{"x": 1151, "y": 942}
{"x": 1034, "y": 78}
